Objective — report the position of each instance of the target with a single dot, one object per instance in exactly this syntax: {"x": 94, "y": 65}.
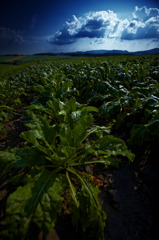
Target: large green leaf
{"x": 138, "y": 134}
{"x": 80, "y": 128}
{"x": 42, "y": 135}
{"x": 153, "y": 126}
{"x": 141, "y": 133}
{"x": 110, "y": 110}
{"x": 7, "y": 159}
{"x": 75, "y": 132}
{"x": 17, "y": 223}
{"x": 29, "y": 157}
{"x": 34, "y": 207}
{"x": 89, "y": 212}
{"x": 41, "y": 186}
{"x": 113, "y": 146}
{"x": 49, "y": 198}
{"x": 32, "y": 136}
{"x": 73, "y": 190}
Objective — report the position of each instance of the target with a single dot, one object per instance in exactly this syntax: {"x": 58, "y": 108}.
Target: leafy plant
{"x": 8, "y": 99}
{"x": 62, "y": 138}
{"x": 141, "y": 133}
{"x": 53, "y": 153}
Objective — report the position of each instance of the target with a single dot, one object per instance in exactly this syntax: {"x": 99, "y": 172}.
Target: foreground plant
{"x": 52, "y": 154}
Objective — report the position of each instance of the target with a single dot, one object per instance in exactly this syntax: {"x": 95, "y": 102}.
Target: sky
{"x": 41, "y": 26}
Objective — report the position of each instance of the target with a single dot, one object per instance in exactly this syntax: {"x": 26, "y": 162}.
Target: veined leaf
{"x": 71, "y": 105}
{"x": 90, "y": 214}
{"x": 7, "y": 159}
{"x": 73, "y": 190}
{"x": 99, "y": 130}
{"x": 25, "y": 219}
{"x": 42, "y": 134}
{"x": 153, "y": 126}
{"x": 89, "y": 109}
{"x": 49, "y": 206}
{"x": 31, "y": 136}
{"x": 17, "y": 223}
{"x": 141, "y": 133}
{"x": 87, "y": 187}
{"x": 29, "y": 157}
{"x": 80, "y": 128}
{"x": 113, "y": 146}
{"x": 68, "y": 151}
{"x": 45, "y": 181}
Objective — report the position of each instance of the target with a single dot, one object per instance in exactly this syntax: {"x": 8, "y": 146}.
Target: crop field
{"x": 31, "y": 58}
{"x": 78, "y": 148}
{"x": 10, "y": 66}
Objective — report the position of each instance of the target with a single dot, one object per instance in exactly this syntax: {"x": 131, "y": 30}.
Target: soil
{"x": 13, "y": 59}
{"x": 128, "y": 194}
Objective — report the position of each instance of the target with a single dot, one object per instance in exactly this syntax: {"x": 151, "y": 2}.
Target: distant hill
{"x": 111, "y": 52}
{"x": 100, "y": 52}
{"x": 43, "y": 54}
{"x": 95, "y": 52}
{"x": 148, "y": 52}
{"x": 107, "y": 51}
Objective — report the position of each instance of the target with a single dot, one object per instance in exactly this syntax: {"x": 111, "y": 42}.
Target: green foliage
{"x": 88, "y": 213}
{"x": 9, "y": 69}
{"x": 6, "y": 160}
{"x": 121, "y": 92}
{"x": 141, "y": 133}
{"x": 8, "y": 98}
{"x": 56, "y": 148}
{"x": 34, "y": 206}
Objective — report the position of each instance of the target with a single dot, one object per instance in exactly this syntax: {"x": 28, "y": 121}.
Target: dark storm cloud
{"x": 13, "y": 41}
{"x": 33, "y": 22}
{"x": 93, "y": 29}
{"x": 10, "y": 39}
{"x": 99, "y": 33}
{"x": 92, "y": 25}
{"x": 62, "y": 37}
{"x": 8, "y": 35}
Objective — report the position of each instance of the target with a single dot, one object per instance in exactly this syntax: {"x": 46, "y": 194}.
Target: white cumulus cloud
{"x": 145, "y": 24}
{"x": 145, "y": 13}
{"x": 92, "y": 25}
{"x": 106, "y": 25}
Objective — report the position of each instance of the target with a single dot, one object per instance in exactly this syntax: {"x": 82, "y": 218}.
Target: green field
{"x": 8, "y": 69}
{"x": 11, "y": 68}
{"x": 79, "y": 113}
{"x": 34, "y": 58}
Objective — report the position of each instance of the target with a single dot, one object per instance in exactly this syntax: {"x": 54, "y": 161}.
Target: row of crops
{"x": 31, "y": 58}
{"x": 87, "y": 112}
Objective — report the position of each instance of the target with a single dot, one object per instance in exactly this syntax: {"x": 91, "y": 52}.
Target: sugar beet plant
{"x": 62, "y": 138}
{"x": 54, "y": 150}
{"x": 8, "y": 98}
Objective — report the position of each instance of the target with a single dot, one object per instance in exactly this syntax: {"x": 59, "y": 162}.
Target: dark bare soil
{"x": 129, "y": 194}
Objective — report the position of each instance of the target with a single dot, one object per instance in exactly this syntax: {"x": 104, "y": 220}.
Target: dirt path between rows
{"x": 13, "y": 59}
